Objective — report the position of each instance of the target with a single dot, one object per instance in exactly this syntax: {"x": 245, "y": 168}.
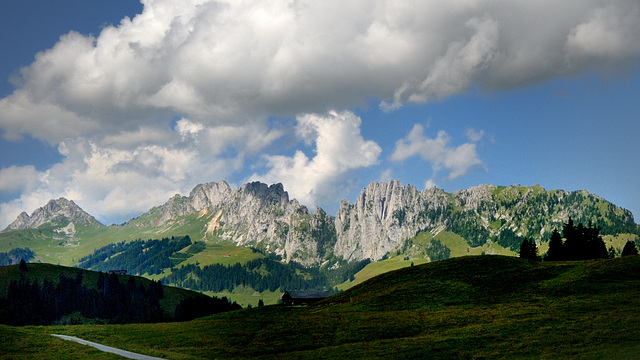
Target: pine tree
{"x": 23, "y": 266}
{"x": 529, "y": 249}
{"x": 556, "y": 250}
{"x": 629, "y": 249}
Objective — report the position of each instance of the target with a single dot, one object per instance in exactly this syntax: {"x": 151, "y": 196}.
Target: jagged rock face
{"x": 383, "y": 217}
{"x": 255, "y": 215}
{"x": 55, "y": 210}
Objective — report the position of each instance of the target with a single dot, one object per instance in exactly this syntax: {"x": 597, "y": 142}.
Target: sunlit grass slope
{"x": 469, "y": 307}
{"x": 456, "y": 244}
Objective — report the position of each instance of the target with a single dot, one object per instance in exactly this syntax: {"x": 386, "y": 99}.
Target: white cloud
{"x": 474, "y": 135}
{"x": 339, "y": 149}
{"x": 188, "y": 128}
{"x": 430, "y": 184}
{"x": 609, "y": 33}
{"x": 227, "y": 68}
{"x": 222, "y": 62}
{"x": 456, "y": 160}
{"x": 386, "y": 175}
{"x": 18, "y": 178}
{"x": 112, "y": 181}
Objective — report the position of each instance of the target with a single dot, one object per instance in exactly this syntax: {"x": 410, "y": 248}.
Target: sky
{"x": 119, "y": 105}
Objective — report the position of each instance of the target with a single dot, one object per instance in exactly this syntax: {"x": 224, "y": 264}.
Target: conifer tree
{"x": 529, "y": 249}
{"x": 556, "y": 250}
{"x": 629, "y": 249}
{"x": 23, "y": 266}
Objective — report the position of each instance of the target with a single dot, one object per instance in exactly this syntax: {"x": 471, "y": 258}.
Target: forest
{"x": 137, "y": 257}
{"x": 261, "y": 275}
{"x": 112, "y": 299}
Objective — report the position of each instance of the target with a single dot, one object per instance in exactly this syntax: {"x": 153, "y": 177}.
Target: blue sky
{"x": 119, "y": 105}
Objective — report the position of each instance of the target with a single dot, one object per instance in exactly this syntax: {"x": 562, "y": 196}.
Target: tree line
{"x": 108, "y": 300}
{"x": 577, "y": 242}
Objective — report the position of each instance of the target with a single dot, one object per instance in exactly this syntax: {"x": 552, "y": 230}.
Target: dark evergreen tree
{"x": 23, "y": 266}
{"x": 612, "y": 252}
{"x": 556, "y": 250}
{"x": 581, "y": 243}
{"x": 629, "y": 249}
{"x": 529, "y": 249}
{"x": 595, "y": 248}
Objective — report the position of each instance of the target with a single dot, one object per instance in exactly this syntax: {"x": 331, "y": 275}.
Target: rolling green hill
{"x": 470, "y": 307}
{"x": 51, "y": 289}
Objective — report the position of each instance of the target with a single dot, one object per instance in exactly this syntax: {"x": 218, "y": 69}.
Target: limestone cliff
{"x": 253, "y": 215}
{"x": 387, "y": 215}
{"x": 383, "y": 217}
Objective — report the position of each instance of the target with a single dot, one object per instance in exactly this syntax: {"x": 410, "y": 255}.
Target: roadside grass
{"x": 472, "y": 307}
{"x": 33, "y": 342}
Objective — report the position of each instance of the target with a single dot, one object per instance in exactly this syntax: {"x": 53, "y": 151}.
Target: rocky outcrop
{"x": 387, "y": 215}
{"x": 253, "y": 215}
{"x": 61, "y": 210}
{"x": 383, "y": 217}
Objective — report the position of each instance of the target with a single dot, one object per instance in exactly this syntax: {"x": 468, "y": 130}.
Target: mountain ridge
{"x": 386, "y": 216}
{"x": 55, "y": 209}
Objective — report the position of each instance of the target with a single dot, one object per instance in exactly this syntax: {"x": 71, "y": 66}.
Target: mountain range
{"x": 386, "y": 219}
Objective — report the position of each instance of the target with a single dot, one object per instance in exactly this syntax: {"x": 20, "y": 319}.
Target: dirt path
{"x": 123, "y": 353}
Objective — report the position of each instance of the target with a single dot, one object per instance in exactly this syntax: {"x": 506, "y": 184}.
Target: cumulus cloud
{"x": 221, "y": 62}
{"x": 17, "y": 178}
{"x": 609, "y": 33}
{"x": 456, "y": 160}
{"x": 226, "y": 68}
{"x": 339, "y": 149}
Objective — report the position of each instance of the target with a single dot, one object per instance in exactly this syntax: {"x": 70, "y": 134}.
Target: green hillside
{"x": 470, "y": 307}
{"x": 41, "y": 279}
{"x": 52, "y": 246}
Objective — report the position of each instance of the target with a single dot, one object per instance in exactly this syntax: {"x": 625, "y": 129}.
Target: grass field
{"x": 483, "y": 307}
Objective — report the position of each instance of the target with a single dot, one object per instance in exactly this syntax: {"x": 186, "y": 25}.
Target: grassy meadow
{"x": 469, "y": 307}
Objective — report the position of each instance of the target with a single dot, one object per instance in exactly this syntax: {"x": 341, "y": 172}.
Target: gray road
{"x": 123, "y": 353}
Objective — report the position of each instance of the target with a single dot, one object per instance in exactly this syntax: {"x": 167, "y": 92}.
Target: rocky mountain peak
{"x": 55, "y": 210}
